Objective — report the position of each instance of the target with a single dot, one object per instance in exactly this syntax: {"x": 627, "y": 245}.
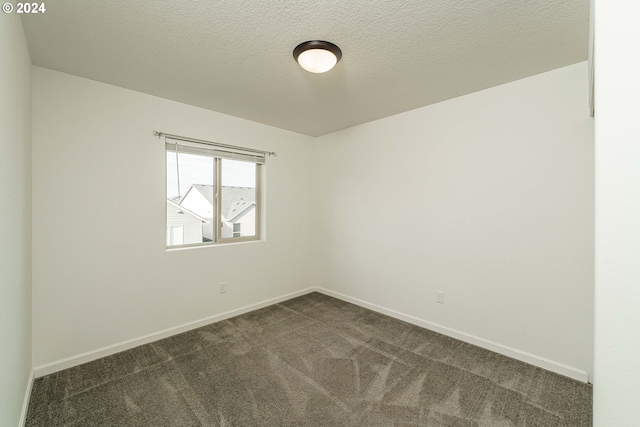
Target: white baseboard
{"x": 522, "y": 356}
{"x": 79, "y": 359}
{"x": 532, "y": 359}
{"x": 27, "y": 396}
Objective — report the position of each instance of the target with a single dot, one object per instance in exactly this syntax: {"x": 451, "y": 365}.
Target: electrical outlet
{"x": 440, "y": 297}
{"x": 223, "y": 287}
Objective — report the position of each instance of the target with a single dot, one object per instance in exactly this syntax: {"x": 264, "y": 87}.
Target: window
{"x": 175, "y": 235}
{"x": 213, "y": 192}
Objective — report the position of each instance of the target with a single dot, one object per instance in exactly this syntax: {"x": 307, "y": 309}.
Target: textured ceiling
{"x": 235, "y": 57}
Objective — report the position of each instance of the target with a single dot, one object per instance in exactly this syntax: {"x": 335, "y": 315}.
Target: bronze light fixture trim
{"x": 317, "y": 56}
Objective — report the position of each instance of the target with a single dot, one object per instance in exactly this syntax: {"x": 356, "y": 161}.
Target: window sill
{"x": 212, "y": 244}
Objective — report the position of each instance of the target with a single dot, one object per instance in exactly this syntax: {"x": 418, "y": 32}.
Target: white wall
{"x": 112, "y": 280}
{"x": 617, "y": 307}
{"x": 15, "y": 219}
{"x": 487, "y": 197}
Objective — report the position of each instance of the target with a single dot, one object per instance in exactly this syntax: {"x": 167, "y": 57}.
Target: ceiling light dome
{"x": 317, "y": 56}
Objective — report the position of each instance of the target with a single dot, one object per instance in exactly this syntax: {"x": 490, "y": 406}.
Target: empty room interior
{"x": 442, "y": 229}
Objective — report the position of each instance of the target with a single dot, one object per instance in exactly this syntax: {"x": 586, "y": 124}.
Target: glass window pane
{"x": 190, "y": 197}
{"x": 238, "y": 202}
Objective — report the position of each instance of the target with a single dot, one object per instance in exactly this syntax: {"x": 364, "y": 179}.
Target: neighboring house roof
{"x": 187, "y": 211}
{"x": 237, "y": 208}
{"x": 230, "y": 196}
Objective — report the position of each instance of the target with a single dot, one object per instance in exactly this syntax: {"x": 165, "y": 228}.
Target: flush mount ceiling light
{"x": 317, "y": 56}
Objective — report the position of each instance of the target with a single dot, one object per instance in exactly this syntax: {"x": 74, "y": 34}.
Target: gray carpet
{"x": 309, "y": 361}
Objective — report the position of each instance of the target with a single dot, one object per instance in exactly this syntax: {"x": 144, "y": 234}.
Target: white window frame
{"x": 219, "y": 152}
